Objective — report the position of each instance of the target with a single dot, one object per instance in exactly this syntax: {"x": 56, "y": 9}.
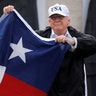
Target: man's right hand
{"x": 8, "y": 9}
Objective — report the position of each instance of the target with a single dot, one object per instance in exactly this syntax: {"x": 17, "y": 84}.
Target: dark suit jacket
{"x": 70, "y": 78}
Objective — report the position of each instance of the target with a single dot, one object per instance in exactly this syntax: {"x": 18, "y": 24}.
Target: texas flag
{"x": 28, "y": 63}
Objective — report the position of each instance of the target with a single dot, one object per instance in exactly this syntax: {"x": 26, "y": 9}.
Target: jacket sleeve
{"x": 86, "y": 44}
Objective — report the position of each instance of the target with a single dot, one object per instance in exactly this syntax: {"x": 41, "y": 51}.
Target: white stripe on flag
{"x": 2, "y": 72}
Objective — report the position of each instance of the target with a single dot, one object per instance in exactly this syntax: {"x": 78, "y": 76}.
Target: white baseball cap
{"x": 58, "y": 9}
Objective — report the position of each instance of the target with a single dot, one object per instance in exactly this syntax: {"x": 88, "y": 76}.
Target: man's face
{"x": 59, "y": 23}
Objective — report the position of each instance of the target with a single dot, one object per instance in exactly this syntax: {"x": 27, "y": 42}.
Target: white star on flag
{"x": 19, "y": 50}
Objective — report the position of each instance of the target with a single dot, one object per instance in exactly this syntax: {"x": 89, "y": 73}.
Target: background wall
{"x": 85, "y": 6}
{"x": 27, "y": 8}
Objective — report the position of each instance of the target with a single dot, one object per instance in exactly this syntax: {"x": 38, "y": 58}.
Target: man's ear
{"x": 49, "y": 20}
{"x": 69, "y": 21}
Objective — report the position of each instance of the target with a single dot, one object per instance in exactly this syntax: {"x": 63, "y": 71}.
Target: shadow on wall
{"x": 27, "y": 8}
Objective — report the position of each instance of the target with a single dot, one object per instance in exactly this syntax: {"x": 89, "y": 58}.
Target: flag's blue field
{"x": 31, "y": 61}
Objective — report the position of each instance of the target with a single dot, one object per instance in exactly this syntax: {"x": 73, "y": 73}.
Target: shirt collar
{"x": 53, "y": 35}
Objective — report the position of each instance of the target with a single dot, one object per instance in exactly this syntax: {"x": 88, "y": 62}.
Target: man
{"x": 70, "y": 78}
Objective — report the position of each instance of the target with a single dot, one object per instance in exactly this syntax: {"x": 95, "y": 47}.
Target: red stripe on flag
{"x": 11, "y": 86}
